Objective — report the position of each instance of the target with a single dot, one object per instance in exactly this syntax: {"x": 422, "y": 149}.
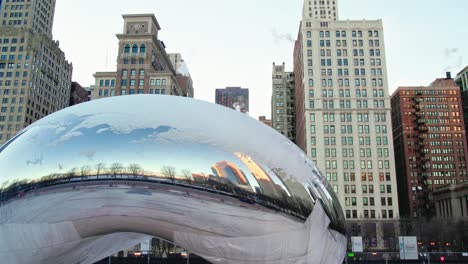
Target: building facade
{"x": 462, "y": 81}
{"x": 430, "y": 143}
{"x": 343, "y": 116}
{"x": 143, "y": 66}
{"x": 451, "y": 202}
{"x": 236, "y": 98}
{"x": 35, "y": 77}
{"x": 78, "y": 94}
{"x": 283, "y": 102}
{"x": 265, "y": 121}
{"x": 183, "y": 75}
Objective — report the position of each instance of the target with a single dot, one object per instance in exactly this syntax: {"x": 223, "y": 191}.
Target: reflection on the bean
{"x": 79, "y": 148}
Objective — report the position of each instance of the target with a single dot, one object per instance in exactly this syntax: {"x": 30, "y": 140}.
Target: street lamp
{"x": 416, "y": 190}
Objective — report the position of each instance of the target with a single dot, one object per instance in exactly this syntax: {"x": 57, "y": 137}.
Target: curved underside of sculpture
{"x": 90, "y": 180}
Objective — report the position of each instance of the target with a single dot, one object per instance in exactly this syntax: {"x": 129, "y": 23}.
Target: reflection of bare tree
{"x": 135, "y": 169}
{"x": 71, "y": 173}
{"x": 116, "y": 168}
{"x": 169, "y": 172}
{"x": 100, "y": 167}
{"x": 187, "y": 175}
{"x": 85, "y": 170}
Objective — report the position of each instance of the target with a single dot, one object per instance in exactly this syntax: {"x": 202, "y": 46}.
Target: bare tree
{"x": 135, "y": 169}
{"x": 85, "y": 170}
{"x": 116, "y": 168}
{"x": 169, "y": 172}
{"x": 100, "y": 167}
{"x": 71, "y": 173}
{"x": 187, "y": 175}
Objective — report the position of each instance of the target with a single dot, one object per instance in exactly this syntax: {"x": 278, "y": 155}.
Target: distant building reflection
{"x": 230, "y": 171}
{"x": 266, "y": 184}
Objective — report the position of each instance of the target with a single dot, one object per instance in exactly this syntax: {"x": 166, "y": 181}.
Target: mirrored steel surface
{"x": 168, "y": 143}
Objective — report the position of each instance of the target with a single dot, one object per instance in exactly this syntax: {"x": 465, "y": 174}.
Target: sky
{"x": 235, "y": 42}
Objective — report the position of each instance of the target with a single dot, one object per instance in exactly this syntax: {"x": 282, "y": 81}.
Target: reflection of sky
{"x": 58, "y": 148}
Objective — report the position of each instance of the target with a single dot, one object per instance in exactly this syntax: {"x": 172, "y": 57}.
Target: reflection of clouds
{"x": 59, "y": 130}
{"x": 102, "y": 130}
{"x": 162, "y": 134}
{"x": 66, "y": 138}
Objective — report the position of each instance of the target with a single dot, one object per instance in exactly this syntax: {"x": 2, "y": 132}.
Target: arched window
{"x": 135, "y": 48}
{"x": 142, "y": 48}
{"x": 127, "y": 48}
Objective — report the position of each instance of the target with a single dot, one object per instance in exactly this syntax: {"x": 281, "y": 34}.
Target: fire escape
{"x": 424, "y": 204}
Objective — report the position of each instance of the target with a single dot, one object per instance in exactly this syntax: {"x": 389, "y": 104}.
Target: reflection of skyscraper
{"x": 236, "y": 98}
{"x": 267, "y": 185}
{"x": 230, "y": 171}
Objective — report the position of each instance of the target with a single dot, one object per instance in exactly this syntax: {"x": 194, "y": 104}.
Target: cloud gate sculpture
{"x": 90, "y": 180}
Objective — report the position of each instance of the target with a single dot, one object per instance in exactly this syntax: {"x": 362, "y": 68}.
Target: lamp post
{"x": 416, "y": 190}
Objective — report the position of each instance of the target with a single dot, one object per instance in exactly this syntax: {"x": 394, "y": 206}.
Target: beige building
{"x": 35, "y": 77}
{"x": 343, "y": 115}
{"x": 143, "y": 66}
{"x": 283, "y": 102}
{"x": 451, "y": 202}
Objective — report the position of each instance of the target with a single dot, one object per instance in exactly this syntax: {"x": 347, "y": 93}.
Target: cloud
{"x": 455, "y": 60}
{"x": 278, "y": 37}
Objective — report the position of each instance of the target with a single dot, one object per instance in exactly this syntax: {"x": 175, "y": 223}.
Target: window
{"x": 135, "y": 48}
{"x": 142, "y": 48}
{"x": 127, "y": 48}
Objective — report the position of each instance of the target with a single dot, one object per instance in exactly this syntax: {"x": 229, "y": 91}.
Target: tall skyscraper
{"x": 143, "y": 66}
{"x": 343, "y": 115}
{"x": 283, "y": 102}
{"x": 35, "y": 77}
{"x": 236, "y": 98}
{"x": 430, "y": 142}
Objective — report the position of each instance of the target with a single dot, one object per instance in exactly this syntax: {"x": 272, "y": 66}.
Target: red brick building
{"x": 430, "y": 143}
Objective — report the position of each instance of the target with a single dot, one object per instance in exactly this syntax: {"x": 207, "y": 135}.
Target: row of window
{"x": 342, "y": 34}
{"x": 11, "y": 109}
{"x": 369, "y": 201}
{"x": 11, "y": 118}
{"x": 354, "y": 214}
{"x": 345, "y": 82}
{"x": 153, "y": 82}
{"x": 347, "y": 93}
{"x": 135, "y": 48}
{"x": 357, "y": 72}
{"x": 107, "y": 82}
{"x": 140, "y": 91}
{"x": 133, "y": 61}
{"x": 346, "y": 104}
{"x": 11, "y": 40}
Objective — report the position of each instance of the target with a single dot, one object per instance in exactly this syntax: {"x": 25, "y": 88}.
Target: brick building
{"x": 430, "y": 143}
